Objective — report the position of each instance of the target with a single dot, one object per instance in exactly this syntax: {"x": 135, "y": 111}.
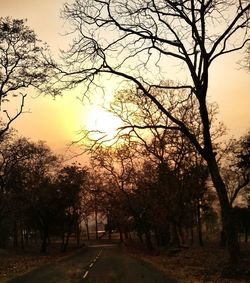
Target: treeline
{"x": 161, "y": 186}
{"x": 162, "y": 196}
{"x": 40, "y": 197}
{"x": 160, "y": 190}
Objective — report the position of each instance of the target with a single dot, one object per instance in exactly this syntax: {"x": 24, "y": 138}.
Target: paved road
{"x": 99, "y": 263}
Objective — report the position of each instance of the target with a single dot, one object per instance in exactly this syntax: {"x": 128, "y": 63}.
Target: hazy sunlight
{"x": 103, "y": 122}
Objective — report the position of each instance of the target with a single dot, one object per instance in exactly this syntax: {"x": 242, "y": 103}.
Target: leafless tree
{"x": 245, "y": 63}
{"x": 235, "y": 168}
{"x": 138, "y": 40}
{"x": 22, "y": 65}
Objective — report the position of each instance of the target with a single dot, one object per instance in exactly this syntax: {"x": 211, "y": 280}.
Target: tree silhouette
{"x": 70, "y": 187}
{"x": 22, "y": 65}
{"x": 137, "y": 40}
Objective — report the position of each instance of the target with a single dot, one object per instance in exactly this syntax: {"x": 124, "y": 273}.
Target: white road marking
{"x": 85, "y": 274}
{"x": 91, "y": 264}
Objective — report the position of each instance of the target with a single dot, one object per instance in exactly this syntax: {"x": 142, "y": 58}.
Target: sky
{"x": 58, "y": 121}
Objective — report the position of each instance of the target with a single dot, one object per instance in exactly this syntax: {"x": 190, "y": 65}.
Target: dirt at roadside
{"x": 197, "y": 265}
{"x": 186, "y": 265}
{"x": 13, "y": 263}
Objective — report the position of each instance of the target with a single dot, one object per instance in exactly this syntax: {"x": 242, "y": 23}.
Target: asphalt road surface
{"x": 99, "y": 263}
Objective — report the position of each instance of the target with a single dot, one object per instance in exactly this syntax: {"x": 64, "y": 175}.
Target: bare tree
{"x": 22, "y": 65}
{"x": 136, "y": 40}
{"x": 245, "y": 63}
{"x": 118, "y": 167}
{"x": 235, "y": 168}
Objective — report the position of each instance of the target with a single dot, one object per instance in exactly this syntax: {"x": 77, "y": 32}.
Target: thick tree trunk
{"x": 227, "y": 215}
{"x": 223, "y": 240}
{"x": 231, "y": 235}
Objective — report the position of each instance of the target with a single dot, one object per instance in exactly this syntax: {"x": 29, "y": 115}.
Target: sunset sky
{"x": 57, "y": 121}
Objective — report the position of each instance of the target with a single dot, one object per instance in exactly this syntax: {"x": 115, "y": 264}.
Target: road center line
{"x": 91, "y": 264}
{"x": 85, "y": 274}
{"x": 99, "y": 253}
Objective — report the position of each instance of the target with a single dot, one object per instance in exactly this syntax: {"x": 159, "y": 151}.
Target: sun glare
{"x": 103, "y": 122}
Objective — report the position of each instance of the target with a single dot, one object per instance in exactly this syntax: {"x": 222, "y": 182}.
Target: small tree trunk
{"x": 96, "y": 226}
{"x": 109, "y": 234}
{"x": 108, "y": 228}
{"x": 175, "y": 240}
{"x": 126, "y": 234}
{"x": 121, "y": 234}
{"x": 157, "y": 238}
{"x": 182, "y": 235}
{"x": 22, "y": 239}
{"x": 44, "y": 241}
{"x": 199, "y": 224}
{"x": 78, "y": 234}
{"x": 21, "y": 227}
{"x": 192, "y": 235}
{"x": 139, "y": 234}
{"x": 207, "y": 230}
{"x": 63, "y": 241}
{"x": 246, "y": 233}
{"x": 87, "y": 228}
{"x": 15, "y": 234}
{"x": 66, "y": 242}
{"x": 148, "y": 241}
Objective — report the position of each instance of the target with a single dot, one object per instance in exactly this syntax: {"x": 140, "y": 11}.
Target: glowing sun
{"x": 103, "y": 123}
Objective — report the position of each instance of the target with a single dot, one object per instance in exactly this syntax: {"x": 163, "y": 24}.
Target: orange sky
{"x": 58, "y": 121}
